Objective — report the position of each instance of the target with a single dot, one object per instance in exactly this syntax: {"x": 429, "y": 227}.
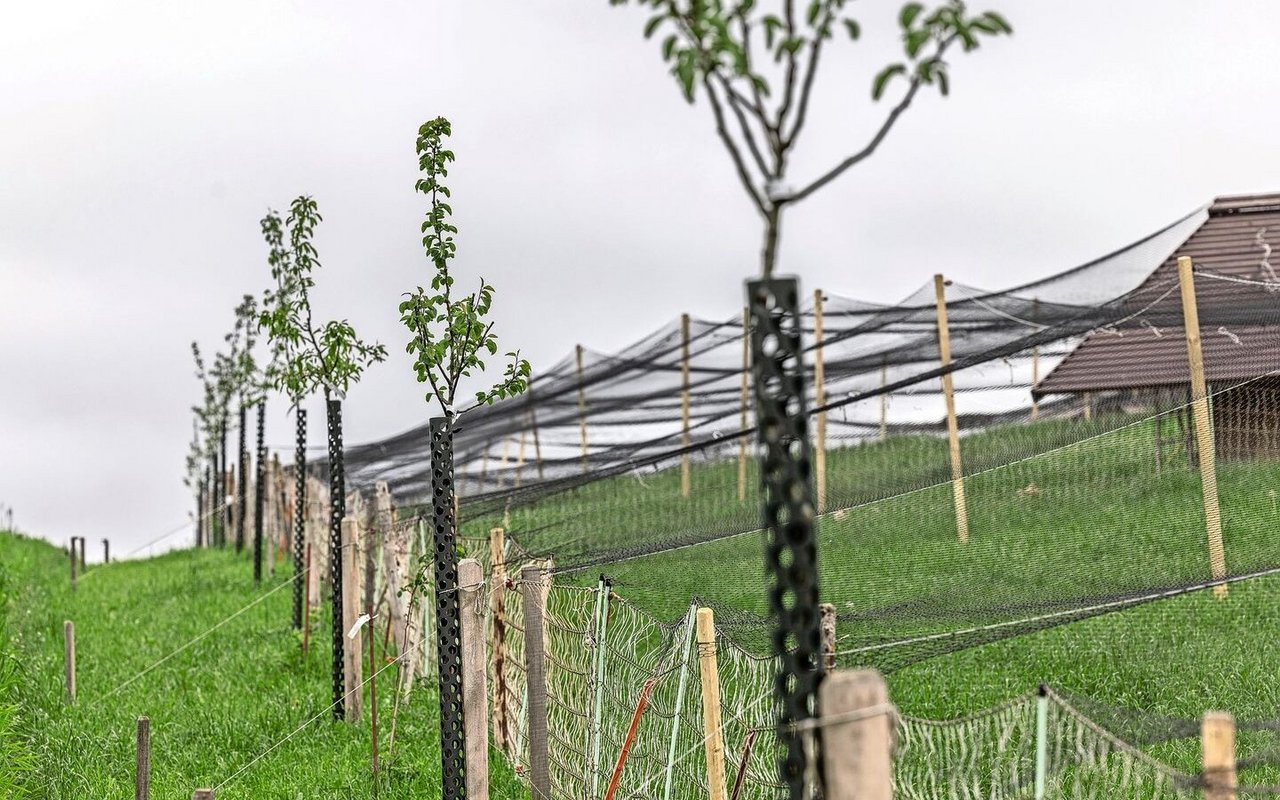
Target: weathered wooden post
{"x": 475, "y": 716}
{"x": 351, "y": 663}
{"x": 828, "y": 636}
{"x": 1218, "y": 755}
{"x": 69, "y": 658}
{"x": 202, "y": 794}
{"x": 857, "y": 736}
{"x": 534, "y": 602}
{"x": 71, "y": 551}
{"x": 106, "y": 551}
{"x": 819, "y": 400}
{"x": 498, "y": 649}
{"x": 142, "y": 766}
{"x": 1204, "y": 426}
{"x": 713, "y": 742}
{"x": 685, "y": 477}
{"x": 949, "y": 395}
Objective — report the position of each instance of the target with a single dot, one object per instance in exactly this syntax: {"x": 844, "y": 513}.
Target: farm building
{"x": 1144, "y": 357}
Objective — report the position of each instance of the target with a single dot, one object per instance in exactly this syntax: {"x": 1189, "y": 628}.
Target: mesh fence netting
{"x": 1075, "y": 531}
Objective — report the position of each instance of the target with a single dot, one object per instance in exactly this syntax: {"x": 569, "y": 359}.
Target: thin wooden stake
{"x": 739, "y": 780}
{"x": 820, "y": 400}
{"x": 711, "y": 728}
{"x": 1218, "y": 755}
{"x": 1204, "y": 427}
{"x": 498, "y": 648}
{"x": 953, "y": 429}
{"x": 69, "y": 658}
{"x": 142, "y": 765}
{"x": 352, "y": 653}
{"x": 582, "y": 406}
{"x": 534, "y": 602}
{"x": 858, "y": 750}
{"x": 685, "y": 478}
{"x": 475, "y": 716}
{"x": 742, "y": 437}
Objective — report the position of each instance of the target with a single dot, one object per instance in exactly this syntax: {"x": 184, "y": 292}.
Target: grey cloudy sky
{"x": 140, "y": 142}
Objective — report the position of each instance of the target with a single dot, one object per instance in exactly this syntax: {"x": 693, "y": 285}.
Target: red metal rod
{"x": 631, "y": 736}
{"x": 738, "y": 780}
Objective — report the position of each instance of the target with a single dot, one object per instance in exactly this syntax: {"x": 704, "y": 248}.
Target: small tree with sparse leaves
{"x": 757, "y": 64}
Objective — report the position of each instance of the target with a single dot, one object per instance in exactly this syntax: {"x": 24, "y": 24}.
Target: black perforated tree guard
{"x": 299, "y": 515}
{"x": 786, "y": 483}
{"x": 337, "y": 510}
{"x": 242, "y": 486}
{"x": 224, "y": 508}
{"x": 448, "y": 633}
{"x": 200, "y": 489}
{"x": 259, "y": 495}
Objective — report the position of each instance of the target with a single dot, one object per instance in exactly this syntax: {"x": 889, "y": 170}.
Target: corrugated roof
{"x": 1226, "y": 245}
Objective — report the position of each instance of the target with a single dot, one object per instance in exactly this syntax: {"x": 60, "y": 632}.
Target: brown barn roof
{"x": 1149, "y": 348}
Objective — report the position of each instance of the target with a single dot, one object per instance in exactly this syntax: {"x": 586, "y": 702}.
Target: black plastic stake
{"x": 786, "y": 483}
{"x": 259, "y": 495}
{"x": 448, "y": 625}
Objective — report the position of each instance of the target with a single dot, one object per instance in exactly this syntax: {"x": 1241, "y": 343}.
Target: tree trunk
{"x": 772, "y": 231}
{"x": 337, "y": 510}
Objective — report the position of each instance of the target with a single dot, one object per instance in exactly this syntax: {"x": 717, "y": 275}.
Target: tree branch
{"x": 732, "y": 146}
{"x": 806, "y": 89}
{"x": 735, "y": 100}
{"x": 790, "y": 85}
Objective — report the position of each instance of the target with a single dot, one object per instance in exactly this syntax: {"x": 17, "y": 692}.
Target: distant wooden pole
{"x": 713, "y": 740}
{"x": 953, "y": 429}
{"x": 1035, "y": 365}
{"x": 828, "y": 636}
{"x": 520, "y": 461}
{"x": 69, "y": 658}
{"x": 1218, "y": 755}
{"x": 352, "y": 654}
{"x": 106, "y": 551}
{"x": 686, "y": 440}
{"x": 582, "y": 406}
{"x": 72, "y": 552}
{"x": 858, "y": 763}
{"x": 502, "y": 469}
{"x": 533, "y": 426}
{"x": 534, "y": 603}
{"x": 142, "y": 767}
{"x": 1204, "y": 426}
{"x": 884, "y": 399}
{"x": 820, "y": 400}
{"x": 475, "y": 714}
{"x": 498, "y": 649}
{"x": 742, "y": 437}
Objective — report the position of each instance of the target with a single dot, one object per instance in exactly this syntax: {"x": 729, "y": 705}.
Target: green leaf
{"x": 915, "y": 41}
{"x": 854, "y": 29}
{"x": 652, "y": 24}
{"x": 877, "y": 88}
{"x": 909, "y": 13}
{"x": 815, "y": 8}
{"x": 943, "y": 84}
{"x": 669, "y": 47}
{"x": 998, "y": 21}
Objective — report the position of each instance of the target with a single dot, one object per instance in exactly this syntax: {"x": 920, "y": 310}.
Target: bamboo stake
{"x": 714, "y": 736}
{"x": 953, "y": 429}
{"x": 1204, "y": 426}
{"x": 685, "y": 479}
{"x": 820, "y": 400}
{"x": 582, "y": 407}
{"x": 742, "y": 437}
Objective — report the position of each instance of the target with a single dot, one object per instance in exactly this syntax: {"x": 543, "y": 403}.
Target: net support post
{"x": 352, "y": 652}
{"x": 713, "y": 735}
{"x": 534, "y": 602}
{"x": 857, "y": 736}
{"x": 819, "y": 400}
{"x": 142, "y": 760}
{"x": 448, "y": 626}
{"x": 1204, "y": 426}
{"x": 788, "y": 517}
{"x": 681, "y": 688}
{"x": 1218, "y": 755}
{"x": 686, "y": 440}
{"x": 1042, "y": 740}
{"x": 475, "y": 690}
{"x": 949, "y": 396}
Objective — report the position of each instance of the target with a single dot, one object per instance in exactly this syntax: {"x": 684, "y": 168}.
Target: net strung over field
{"x": 1075, "y": 530}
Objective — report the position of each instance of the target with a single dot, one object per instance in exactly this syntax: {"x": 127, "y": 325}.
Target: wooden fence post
{"x": 475, "y": 713}
{"x": 582, "y": 407}
{"x": 351, "y": 653}
{"x": 828, "y": 611}
{"x": 685, "y": 478}
{"x": 69, "y": 658}
{"x": 742, "y": 437}
{"x": 711, "y": 728}
{"x": 1204, "y": 426}
{"x": 71, "y": 551}
{"x": 534, "y": 602}
{"x": 84, "y": 566}
{"x": 953, "y": 429}
{"x": 498, "y": 649}
{"x": 142, "y": 767}
{"x": 819, "y": 400}
{"x": 106, "y": 551}
{"x": 1218, "y": 755}
{"x": 857, "y": 736}
{"x": 202, "y": 794}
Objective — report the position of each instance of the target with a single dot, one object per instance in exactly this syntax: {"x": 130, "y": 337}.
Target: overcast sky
{"x": 140, "y": 143}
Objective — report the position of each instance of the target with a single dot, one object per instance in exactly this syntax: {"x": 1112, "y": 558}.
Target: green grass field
{"x": 213, "y": 707}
